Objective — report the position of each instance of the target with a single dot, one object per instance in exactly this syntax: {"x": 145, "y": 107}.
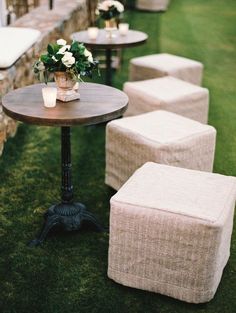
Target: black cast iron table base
{"x": 68, "y": 214}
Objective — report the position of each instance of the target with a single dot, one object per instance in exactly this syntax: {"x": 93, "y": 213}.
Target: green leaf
{"x": 50, "y": 49}
{"x": 59, "y": 56}
{"x": 74, "y": 46}
{"x": 44, "y": 58}
{"x": 56, "y": 48}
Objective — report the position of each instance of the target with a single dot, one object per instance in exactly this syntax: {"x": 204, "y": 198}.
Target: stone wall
{"x": 66, "y": 18}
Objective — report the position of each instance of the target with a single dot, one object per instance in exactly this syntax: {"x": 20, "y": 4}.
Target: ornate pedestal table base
{"x": 67, "y": 214}
{"x": 70, "y": 216}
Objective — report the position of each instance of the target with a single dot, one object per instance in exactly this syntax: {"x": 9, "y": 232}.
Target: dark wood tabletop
{"x": 97, "y": 104}
{"x": 133, "y": 38}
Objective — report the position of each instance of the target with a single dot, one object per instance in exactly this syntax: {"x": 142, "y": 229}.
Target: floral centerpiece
{"x": 68, "y": 63}
{"x": 108, "y": 10}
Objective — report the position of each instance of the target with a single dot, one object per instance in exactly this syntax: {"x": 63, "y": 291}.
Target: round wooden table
{"x": 132, "y": 39}
{"x": 98, "y": 104}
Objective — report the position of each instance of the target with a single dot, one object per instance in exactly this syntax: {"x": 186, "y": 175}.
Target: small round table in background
{"x": 98, "y": 104}
{"x": 132, "y": 39}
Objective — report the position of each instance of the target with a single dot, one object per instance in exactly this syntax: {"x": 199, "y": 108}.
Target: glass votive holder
{"x": 49, "y": 96}
{"x": 123, "y": 29}
{"x": 93, "y": 33}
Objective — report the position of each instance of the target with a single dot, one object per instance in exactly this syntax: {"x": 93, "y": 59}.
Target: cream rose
{"x": 63, "y": 49}
{"x": 61, "y": 42}
{"x": 68, "y": 60}
{"x": 107, "y": 4}
{"x": 88, "y": 54}
{"x": 119, "y": 6}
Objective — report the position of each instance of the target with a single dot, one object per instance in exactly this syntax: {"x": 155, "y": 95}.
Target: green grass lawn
{"x": 68, "y": 273}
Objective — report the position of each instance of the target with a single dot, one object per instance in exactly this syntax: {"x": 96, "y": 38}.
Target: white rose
{"x": 88, "y": 54}
{"x": 63, "y": 49}
{"x": 90, "y": 59}
{"x": 68, "y": 60}
{"x": 105, "y": 5}
{"x": 119, "y": 6}
{"x": 102, "y": 7}
{"x": 61, "y": 42}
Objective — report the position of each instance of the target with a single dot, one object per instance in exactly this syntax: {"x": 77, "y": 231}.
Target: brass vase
{"x": 110, "y": 27}
{"x": 67, "y": 88}
{"x": 111, "y": 23}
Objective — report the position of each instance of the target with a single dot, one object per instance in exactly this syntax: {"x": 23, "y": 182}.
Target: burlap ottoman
{"x": 161, "y": 137}
{"x": 170, "y": 94}
{"x": 159, "y": 65}
{"x": 170, "y": 231}
{"x": 152, "y": 5}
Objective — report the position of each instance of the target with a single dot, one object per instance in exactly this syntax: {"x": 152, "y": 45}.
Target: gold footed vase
{"x": 111, "y": 27}
{"x": 67, "y": 87}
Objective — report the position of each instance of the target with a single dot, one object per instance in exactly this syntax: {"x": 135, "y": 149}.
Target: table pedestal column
{"x": 108, "y": 67}
{"x": 68, "y": 214}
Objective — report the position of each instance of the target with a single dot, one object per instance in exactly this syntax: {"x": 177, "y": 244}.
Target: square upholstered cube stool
{"x": 170, "y": 231}
{"x": 164, "y": 64}
{"x": 170, "y": 94}
{"x": 152, "y": 5}
{"x": 160, "y": 137}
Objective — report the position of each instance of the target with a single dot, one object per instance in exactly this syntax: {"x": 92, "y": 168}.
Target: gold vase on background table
{"x": 110, "y": 27}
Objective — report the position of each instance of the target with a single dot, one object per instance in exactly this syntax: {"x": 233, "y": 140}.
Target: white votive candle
{"x": 123, "y": 28}
{"x": 49, "y": 96}
{"x": 93, "y": 33}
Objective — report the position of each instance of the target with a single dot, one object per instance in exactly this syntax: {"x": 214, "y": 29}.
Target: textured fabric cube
{"x": 160, "y": 137}
{"x": 152, "y": 5}
{"x": 164, "y": 64}
{"x": 170, "y": 94}
{"x": 170, "y": 231}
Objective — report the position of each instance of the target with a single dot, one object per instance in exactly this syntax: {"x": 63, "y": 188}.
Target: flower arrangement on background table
{"x": 108, "y": 10}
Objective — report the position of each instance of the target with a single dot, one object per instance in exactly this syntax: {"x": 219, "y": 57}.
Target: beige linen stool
{"x": 164, "y": 64}
{"x": 152, "y": 5}
{"x": 160, "y": 137}
{"x": 170, "y": 94}
{"x": 170, "y": 231}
